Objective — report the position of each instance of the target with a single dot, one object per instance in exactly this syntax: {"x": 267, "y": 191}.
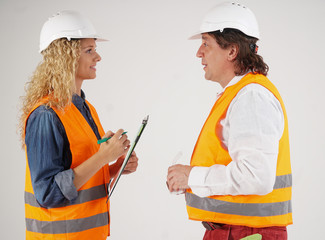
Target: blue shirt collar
{"x": 79, "y": 101}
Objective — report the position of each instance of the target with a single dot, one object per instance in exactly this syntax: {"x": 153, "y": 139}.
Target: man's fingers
{"x": 172, "y": 186}
{"x": 172, "y": 171}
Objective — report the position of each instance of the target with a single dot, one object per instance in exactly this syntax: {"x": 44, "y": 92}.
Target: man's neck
{"x": 227, "y": 77}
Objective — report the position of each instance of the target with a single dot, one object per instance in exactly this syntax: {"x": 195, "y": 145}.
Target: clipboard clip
{"x": 145, "y": 120}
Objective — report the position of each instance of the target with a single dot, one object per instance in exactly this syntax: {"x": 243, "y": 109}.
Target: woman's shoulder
{"x": 43, "y": 115}
{"x": 42, "y": 111}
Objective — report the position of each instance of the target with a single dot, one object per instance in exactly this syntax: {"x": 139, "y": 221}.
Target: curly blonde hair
{"x": 54, "y": 77}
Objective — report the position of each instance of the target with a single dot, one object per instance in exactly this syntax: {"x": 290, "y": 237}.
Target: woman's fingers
{"x": 108, "y": 134}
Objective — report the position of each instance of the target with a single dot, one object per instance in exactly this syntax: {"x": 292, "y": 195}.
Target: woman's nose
{"x": 98, "y": 57}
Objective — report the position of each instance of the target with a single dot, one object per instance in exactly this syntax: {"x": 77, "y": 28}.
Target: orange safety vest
{"x": 273, "y": 209}
{"x": 87, "y": 217}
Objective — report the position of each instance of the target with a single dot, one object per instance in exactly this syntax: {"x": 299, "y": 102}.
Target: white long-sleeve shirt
{"x": 251, "y": 131}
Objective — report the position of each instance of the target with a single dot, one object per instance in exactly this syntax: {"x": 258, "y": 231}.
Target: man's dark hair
{"x": 247, "y": 58}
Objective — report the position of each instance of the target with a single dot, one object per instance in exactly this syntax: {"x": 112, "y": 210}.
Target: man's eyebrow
{"x": 204, "y": 37}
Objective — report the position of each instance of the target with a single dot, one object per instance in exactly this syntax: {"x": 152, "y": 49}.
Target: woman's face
{"x": 88, "y": 60}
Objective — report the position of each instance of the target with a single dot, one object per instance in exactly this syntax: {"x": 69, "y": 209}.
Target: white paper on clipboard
{"x": 113, "y": 182}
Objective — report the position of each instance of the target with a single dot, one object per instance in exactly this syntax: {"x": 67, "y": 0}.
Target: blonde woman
{"x": 67, "y": 171}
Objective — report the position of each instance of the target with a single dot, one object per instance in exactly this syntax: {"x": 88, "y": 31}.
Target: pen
{"x": 106, "y": 139}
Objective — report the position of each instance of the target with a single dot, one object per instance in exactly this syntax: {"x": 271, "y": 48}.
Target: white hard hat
{"x": 229, "y": 15}
{"x": 66, "y": 24}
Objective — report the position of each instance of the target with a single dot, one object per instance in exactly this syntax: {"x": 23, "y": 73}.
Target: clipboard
{"x": 114, "y": 181}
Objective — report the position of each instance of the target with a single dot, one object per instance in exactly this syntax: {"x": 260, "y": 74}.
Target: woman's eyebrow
{"x": 89, "y": 46}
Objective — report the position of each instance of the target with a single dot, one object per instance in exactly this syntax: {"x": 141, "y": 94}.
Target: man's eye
{"x": 205, "y": 44}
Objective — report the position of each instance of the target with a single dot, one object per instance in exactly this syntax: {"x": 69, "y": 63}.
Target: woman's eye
{"x": 88, "y": 51}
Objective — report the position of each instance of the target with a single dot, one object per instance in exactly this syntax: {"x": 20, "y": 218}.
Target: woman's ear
{"x": 233, "y": 52}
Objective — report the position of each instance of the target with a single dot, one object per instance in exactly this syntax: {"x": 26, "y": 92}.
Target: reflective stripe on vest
{"x": 242, "y": 209}
{"x": 283, "y": 181}
{"x": 245, "y": 209}
{"x": 273, "y": 209}
{"x": 67, "y": 226}
{"x": 83, "y": 196}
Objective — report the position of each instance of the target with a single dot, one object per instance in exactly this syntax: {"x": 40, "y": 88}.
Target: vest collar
{"x": 232, "y": 82}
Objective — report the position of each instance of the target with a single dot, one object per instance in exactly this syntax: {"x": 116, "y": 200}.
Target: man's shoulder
{"x": 254, "y": 87}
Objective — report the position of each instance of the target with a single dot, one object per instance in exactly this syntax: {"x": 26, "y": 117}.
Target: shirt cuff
{"x": 197, "y": 176}
{"x": 196, "y": 181}
{"x": 64, "y": 180}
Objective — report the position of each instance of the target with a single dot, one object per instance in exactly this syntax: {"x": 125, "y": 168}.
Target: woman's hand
{"x": 130, "y": 167}
{"x": 115, "y": 147}
{"x": 132, "y": 164}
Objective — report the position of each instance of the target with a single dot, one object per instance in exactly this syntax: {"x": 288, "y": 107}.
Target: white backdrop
{"x": 149, "y": 67}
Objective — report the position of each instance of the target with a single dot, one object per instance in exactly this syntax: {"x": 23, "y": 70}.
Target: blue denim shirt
{"x": 49, "y": 155}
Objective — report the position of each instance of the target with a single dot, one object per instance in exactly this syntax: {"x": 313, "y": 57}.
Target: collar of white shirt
{"x": 233, "y": 81}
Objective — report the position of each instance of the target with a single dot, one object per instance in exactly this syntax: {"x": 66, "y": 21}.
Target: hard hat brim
{"x": 196, "y": 36}
{"x": 95, "y": 36}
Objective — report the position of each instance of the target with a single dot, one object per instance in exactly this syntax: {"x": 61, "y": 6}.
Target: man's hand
{"x": 177, "y": 178}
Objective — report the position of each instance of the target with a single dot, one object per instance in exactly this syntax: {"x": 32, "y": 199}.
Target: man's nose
{"x": 199, "y": 52}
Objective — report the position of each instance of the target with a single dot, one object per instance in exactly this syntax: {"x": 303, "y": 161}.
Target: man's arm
{"x": 253, "y": 126}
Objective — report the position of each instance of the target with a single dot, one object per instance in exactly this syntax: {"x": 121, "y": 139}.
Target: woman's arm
{"x": 49, "y": 158}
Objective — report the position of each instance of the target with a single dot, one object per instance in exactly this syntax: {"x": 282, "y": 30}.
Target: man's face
{"x": 214, "y": 59}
